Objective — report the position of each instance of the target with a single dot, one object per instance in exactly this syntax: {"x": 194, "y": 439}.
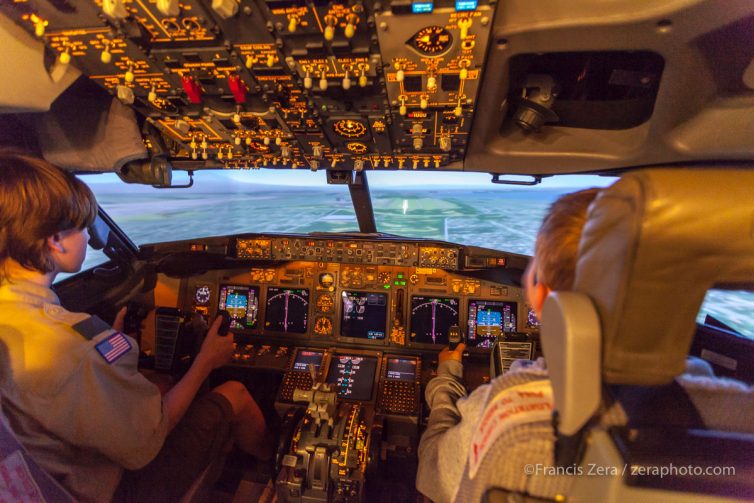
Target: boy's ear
{"x": 541, "y": 291}
{"x": 55, "y": 243}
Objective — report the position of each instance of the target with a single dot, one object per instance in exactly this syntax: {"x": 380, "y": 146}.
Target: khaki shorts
{"x": 202, "y": 436}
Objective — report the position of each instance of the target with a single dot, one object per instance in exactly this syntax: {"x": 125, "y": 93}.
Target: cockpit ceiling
{"x": 514, "y": 87}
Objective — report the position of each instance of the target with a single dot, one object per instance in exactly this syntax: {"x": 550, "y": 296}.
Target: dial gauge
{"x": 202, "y": 295}
{"x": 326, "y": 280}
{"x": 348, "y": 128}
{"x": 322, "y": 326}
{"x": 356, "y": 147}
{"x": 325, "y": 303}
{"x": 432, "y": 40}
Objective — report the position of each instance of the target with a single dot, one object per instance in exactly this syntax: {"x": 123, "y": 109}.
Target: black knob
{"x": 225, "y": 325}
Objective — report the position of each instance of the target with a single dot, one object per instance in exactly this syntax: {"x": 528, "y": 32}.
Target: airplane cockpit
{"x": 337, "y": 327}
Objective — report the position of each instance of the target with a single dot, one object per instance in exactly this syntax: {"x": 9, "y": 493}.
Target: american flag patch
{"x": 113, "y": 347}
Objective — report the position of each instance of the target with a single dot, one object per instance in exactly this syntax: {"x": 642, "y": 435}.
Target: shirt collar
{"x": 27, "y": 292}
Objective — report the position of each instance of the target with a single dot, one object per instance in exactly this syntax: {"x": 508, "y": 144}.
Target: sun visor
{"x": 90, "y": 133}
{"x": 654, "y": 243}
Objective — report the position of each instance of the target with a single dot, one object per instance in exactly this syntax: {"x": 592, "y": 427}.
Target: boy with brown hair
{"x": 458, "y": 459}
{"x": 75, "y": 398}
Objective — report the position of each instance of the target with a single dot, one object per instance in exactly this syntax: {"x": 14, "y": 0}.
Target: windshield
{"x": 462, "y": 208}
{"x": 222, "y": 203}
{"x": 466, "y": 208}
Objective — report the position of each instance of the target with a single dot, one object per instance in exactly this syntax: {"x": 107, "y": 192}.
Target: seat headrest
{"x": 653, "y": 244}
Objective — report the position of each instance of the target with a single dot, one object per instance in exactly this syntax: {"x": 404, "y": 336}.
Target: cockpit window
{"x": 93, "y": 259}
{"x": 223, "y": 203}
{"x": 466, "y": 208}
{"x": 732, "y": 308}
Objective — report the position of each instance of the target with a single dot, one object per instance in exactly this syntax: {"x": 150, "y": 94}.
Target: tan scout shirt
{"x": 81, "y": 417}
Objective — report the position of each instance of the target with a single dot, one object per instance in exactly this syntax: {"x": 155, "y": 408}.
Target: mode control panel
{"x": 371, "y": 252}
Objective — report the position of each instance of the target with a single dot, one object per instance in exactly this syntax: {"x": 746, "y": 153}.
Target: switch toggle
{"x": 170, "y": 8}
{"x": 115, "y": 9}
{"x": 293, "y": 23}
{"x": 237, "y": 88}
{"x": 225, "y": 8}
{"x": 192, "y": 89}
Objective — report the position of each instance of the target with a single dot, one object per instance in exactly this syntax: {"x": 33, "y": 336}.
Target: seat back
{"x": 653, "y": 244}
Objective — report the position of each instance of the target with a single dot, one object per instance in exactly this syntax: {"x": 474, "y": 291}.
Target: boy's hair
{"x": 557, "y": 245}
{"x": 38, "y": 200}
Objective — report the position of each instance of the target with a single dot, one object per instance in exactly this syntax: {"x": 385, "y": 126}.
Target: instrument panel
{"x": 362, "y": 305}
{"x": 251, "y": 84}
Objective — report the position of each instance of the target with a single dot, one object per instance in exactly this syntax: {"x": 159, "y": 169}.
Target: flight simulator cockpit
{"x": 337, "y": 324}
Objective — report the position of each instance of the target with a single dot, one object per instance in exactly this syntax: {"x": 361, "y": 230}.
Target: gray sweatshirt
{"x": 517, "y": 453}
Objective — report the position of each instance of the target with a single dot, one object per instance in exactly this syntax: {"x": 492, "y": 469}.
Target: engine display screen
{"x": 431, "y": 317}
{"x": 287, "y": 310}
{"x": 488, "y": 319}
{"x": 401, "y": 369}
{"x": 306, "y": 357}
{"x": 352, "y": 375}
{"x": 242, "y": 304}
{"x": 364, "y": 315}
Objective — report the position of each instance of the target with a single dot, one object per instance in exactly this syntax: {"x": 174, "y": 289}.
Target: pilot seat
{"x": 616, "y": 346}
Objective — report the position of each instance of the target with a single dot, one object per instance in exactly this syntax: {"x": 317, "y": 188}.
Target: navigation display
{"x": 431, "y": 317}
{"x": 287, "y": 310}
{"x": 401, "y": 369}
{"x": 364, "y": 315}
{"x": 305, "y": 357}
{"x": 242, "y": 304}
{"x": 353, "y": 376}
{"x": 488, "y": 319}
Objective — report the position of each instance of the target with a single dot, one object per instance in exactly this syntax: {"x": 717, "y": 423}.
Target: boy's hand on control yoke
{"x": 216, "y": 349}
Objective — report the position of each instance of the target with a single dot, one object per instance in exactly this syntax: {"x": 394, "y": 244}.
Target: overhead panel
{"x": 282, "y": 84}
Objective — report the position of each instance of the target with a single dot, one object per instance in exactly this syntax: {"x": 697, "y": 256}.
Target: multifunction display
{"x": 241, "y": 303}
{"x": 287, "y": 310}
{"x": 488, "y": 319}
{"x": 431, "y": 317}
{"x": 364, "y": 315}
{"x": 306, "y": 357}
{"x": 401, "y": 369}
{"x": 352, "y": 375}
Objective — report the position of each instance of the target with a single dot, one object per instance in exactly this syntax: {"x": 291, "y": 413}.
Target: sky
{"x": 305, "y": 178}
